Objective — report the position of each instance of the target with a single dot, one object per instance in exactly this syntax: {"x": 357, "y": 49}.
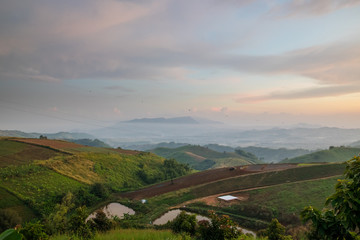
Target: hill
{"x": 269, "y": 155}
{"x": 36, "y": 173}
{"x": 201, "y": 158}
{"x": 89, "y": 142}
{"x": 59, "y": 135}
{"x": 177, "y": 120}
{"x": 355, "y": 144}
{"x": 333, "y": 154}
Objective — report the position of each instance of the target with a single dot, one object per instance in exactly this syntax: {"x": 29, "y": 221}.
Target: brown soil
{"x": 27, "y": 155}
{"x": 202, "y": 178}
{"x": 55, "y": 144}
{"x": 127, "y": 152}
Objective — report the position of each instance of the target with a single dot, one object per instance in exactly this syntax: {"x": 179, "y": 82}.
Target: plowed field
{"x": 201, "y": 178}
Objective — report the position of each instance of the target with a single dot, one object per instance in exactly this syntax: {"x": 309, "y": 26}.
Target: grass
{"x": 284, "y": 202}
{"x": 268, "y": 179}
{"x": 334, "y": 154}
{"x": 39, "y": 186}
{"x": 141, "y": 234}
{"x": 130, "y": 234}
{"x": 10, "y": 201}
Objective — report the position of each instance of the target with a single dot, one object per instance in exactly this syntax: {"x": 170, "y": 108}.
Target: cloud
{"x": 296, "y": 8}
{"x": 318, "y": 92}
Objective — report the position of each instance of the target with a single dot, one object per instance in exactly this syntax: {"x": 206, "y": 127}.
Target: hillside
{"x": 269, "y": 155}
{"x": 36, "y": 173}
{"x": 333, "y": 154}
{"x": 201, "y": 158}
{"x": 264, "y": 192}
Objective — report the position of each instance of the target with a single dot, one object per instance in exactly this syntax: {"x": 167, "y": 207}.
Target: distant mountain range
{"x": 176, "y": 120}
{"x": 59, "y": 135}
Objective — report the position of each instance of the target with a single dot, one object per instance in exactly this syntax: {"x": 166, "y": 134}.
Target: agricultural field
{"x": 262, "y": 187}
{"x": 36, "y": 173}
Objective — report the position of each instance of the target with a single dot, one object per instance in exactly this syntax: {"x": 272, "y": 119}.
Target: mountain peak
{"x": 176, "y": 120}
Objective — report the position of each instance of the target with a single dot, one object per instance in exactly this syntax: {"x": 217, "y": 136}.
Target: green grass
{"x": 334, "y": 154}
{"x": 130, "y": 234}
{"x": 268, "y": 179}
{"x": 291, "y": 198}
{"x": 284, "y": 202}
{"x": 39, "y": 186}
{"x": 10, "y": 201}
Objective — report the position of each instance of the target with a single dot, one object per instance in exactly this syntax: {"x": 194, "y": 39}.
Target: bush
{"x": 8, "y": 219}
{"x": 34, "y": 231}
{"x": 184, "y": 223}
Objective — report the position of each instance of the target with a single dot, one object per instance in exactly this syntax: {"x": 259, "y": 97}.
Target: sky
{"x": 87, "y": 64}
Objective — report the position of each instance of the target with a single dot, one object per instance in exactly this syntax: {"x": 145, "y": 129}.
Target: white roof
{"x": 227, "y": 197}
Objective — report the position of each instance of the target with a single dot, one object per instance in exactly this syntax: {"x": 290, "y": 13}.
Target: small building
{"x": 228, "y": 198}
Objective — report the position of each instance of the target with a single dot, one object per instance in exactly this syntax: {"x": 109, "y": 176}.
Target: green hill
{"x": 333, "y": 154}
{"x": 201, "y": 158}
{"x": 269, "y": 155}
{"x": 36, "y": 173}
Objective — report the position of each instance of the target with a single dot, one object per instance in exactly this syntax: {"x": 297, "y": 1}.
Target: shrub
{"x": 8, "y": 219}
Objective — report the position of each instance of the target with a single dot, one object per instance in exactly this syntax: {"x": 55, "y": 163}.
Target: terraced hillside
{"x": 202, "y": 158}
{"x": 36, "y": 173}
{"x": 264, "y": 192}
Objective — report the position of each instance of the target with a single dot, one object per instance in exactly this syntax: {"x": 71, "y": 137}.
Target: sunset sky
{"x": 89, "y": 63}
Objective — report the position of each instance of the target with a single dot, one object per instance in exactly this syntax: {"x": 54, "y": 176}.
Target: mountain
{"x": 355, "y": 144}
{"x": 59, "y": 135}
{"x": 333, "y": 154}
{"x": 177, "y": 120}
{"x": 269, "y": 155}
{"x": 89, "y": 142}
{"x": 202, "y": 158}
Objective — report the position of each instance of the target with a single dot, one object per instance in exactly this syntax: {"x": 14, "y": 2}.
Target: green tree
{"x": 101, "y": 222}
{"x": 78, "y": 224}
{"x": 184, "y": 223}
{"x": 340, "y": 220}
{"x": 57, "y": 222}
{"x": 276, "y": 231}
{"x": 34, "y": 231}
{"x": 170, "y": 169}
{"x": 219, "y": 228}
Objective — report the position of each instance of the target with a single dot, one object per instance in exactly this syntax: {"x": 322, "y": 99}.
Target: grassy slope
{"x": 202, "y": 158}
{"x": 39, "y": 183}
{"x": 336, "y": 154}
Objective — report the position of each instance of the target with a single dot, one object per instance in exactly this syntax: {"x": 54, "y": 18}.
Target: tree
{"x": 184, "y": 223}
{"x": 170, "y": 169}
{"x": 276, "y": 231}
{"x": 220, "y": 228}
{"x": 34, "y": 231}
{"x": 101, "y": 222}
{"x": 57, "y": 222}
{"x": 340, "y": 220}
{"x": 78, "y": 224}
